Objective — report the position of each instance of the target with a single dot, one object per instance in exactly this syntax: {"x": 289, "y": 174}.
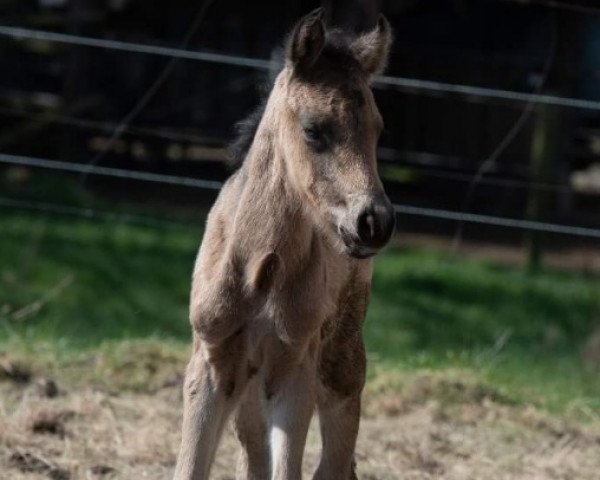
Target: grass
{"x": 74, "y": 290}
{"x": 522, "y": 332}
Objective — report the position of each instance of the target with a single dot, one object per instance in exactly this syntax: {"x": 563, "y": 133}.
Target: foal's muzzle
{"x": 373, "y": 228}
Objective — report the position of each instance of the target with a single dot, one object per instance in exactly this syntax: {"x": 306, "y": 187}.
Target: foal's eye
{"x": 316, "y": 137}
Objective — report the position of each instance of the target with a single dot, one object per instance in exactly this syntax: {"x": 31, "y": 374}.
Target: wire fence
{"x": 498, "y": 221}
{"x": 410, "y": 84}
{"x": 89, "y": 213}
{"x": 390, "y": 155}
{"x": 109, "y": 172}
{"x": 162, "y": 132}
{"x": 190, "y": 182}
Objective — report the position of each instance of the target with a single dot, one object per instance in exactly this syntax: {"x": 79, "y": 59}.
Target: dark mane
{"x": 245, "y": 131}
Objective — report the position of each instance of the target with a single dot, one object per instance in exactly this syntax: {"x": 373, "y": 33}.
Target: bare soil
{"x": 60, "y": 434}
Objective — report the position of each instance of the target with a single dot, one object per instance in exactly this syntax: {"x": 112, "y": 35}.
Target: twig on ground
{"x": 38, "y": 304}
{"x": 501, "y": 342}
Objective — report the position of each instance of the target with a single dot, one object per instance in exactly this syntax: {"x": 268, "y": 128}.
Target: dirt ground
{"x": 47, "y": 433}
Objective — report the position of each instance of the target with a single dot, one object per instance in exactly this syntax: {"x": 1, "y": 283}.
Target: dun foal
{"x": 282, "y": 280}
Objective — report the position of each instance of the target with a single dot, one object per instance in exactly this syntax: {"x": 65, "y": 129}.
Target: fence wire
{"x": 190, "y": 182}
{"x": 88, "y": 213}
{"x": 391, "y": 156}
{"x": 411, "y": 84}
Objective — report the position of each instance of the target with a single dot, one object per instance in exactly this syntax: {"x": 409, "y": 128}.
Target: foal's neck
{"x": 282, "y": 223}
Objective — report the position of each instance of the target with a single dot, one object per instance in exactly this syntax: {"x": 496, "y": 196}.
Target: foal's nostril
{"x": 366, "y": 226}
{"x": 376, "y": 224}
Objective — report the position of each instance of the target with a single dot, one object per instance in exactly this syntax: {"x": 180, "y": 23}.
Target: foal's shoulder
{"x": 228, "y": 198}
{"x": 219, "y": 223}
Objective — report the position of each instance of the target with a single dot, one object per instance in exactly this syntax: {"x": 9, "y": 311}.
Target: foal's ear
{"x": 372, "y": 49}
{"x": 306, "y": 40}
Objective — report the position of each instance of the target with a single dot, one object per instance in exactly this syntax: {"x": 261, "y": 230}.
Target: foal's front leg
{"x": 339, "y": 422}
{"x": 342, "y": 373}
{"x": 251, "y": 429}
{"x": 292, "y": 407}
{"x": 213, "y": 385}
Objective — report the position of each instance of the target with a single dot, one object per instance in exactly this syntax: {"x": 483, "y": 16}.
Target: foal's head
{"x": 328, "y": 131}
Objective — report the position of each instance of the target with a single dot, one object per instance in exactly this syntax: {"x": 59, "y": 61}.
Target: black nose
{"x": 376, "y": 223}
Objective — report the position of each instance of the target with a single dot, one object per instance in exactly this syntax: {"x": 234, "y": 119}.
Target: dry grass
{"x": 434, "y": 430}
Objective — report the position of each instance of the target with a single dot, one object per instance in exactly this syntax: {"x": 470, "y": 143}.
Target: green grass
{"x": 125, "y": 281}
{"x": 121, "y": 291}
{"x": 521, "y": 332}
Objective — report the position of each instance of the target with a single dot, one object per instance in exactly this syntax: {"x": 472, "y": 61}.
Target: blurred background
{"x": 115, "y": 116}
{"x": 156, "y": 87}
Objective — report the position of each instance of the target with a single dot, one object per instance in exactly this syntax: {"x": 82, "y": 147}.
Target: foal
{"x": 283, "y": 276}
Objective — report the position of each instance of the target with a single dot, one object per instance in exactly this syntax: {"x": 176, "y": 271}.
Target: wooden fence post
{"x": 545, "y": 153}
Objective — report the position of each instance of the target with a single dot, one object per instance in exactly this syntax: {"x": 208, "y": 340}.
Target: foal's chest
{"x": 315, "y": 297}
